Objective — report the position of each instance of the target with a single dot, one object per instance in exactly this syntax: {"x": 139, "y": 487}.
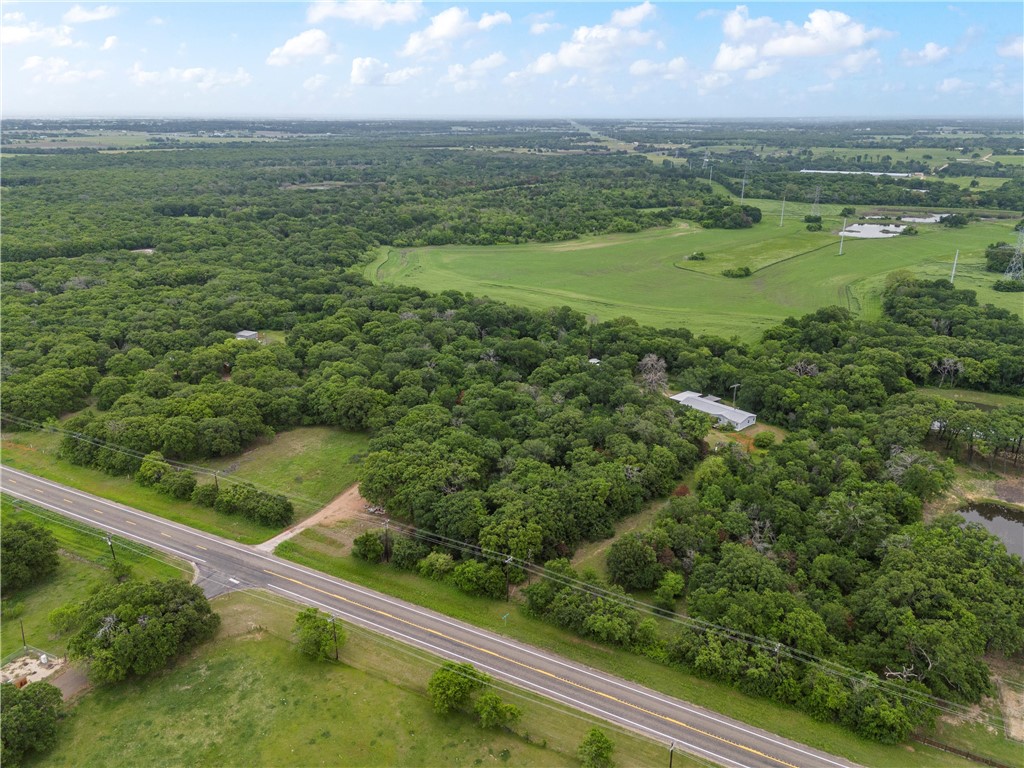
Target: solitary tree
{"x": 28, "y": 720}
{"x": 596, "y": 750}
{"x": 495, "y": 713}
{"x": 28, "y": 552}
{"x": 452, "y": 684}
{"x": 653, "y": 373}
{"x": 318, "y": 636}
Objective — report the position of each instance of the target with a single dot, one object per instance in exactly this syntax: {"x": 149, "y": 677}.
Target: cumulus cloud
{"x": 203, "y": 78}
{"x": 930, "y": 54}
{"x": 371, "y": 71}
{"x": 80, "y": 15}
{"x": 1012, "y": 48}
{"x": 315, "y": 82}
{"x": 760, "y": 45}
{"x": 712, "y": 81}
{"x": 669, "y": 70}
{"x": 109, "y": 43}
{"x": 32, "y": 32}
{"x": 540, "y": 27}
{"x": 952, "y": 85}
{"x": 824, "y": 32}
{"x": 733, "y": 57}
{"x": 448, "y": 26}
{"x": 56, "y": 71}
{"x": 370, "y": 13}
{"x": 467, "y": 77}
{"x": 632, "y": 17}
{"x": 312, "y": 42}
{"x": 596, "y": 47}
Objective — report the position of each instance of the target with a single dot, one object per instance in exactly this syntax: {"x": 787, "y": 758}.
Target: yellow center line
{"x": 166, "y": 534}
{"x": 98, "y": 511}
{"x": 12, "y": 480}
{"x": 200, "y": 546}
{"x": 131, "y": 522}
{"x": 537, "y": 670}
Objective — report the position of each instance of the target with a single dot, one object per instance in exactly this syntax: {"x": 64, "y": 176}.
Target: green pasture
{"x": 305, "y": 463}
{"x": 647, "y": 275}
{"x": 247, "y": 698}
{"x": 85, "y": 561}
{"x": 983, "y": 399}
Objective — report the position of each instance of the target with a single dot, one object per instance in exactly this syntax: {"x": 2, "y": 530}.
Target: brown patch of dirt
{"x": 348, "y": 505}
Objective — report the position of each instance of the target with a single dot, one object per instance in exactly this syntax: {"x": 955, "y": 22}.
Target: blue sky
{"x": 374, "y": 58}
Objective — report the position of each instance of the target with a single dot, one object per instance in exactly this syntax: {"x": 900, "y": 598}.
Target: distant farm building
{"x": 714, "y": 406}
{"x": 248, "y": 336}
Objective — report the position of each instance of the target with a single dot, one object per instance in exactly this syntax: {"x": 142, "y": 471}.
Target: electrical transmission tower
{"x": 707, "y": 158}
{"x": 1015, "y": 269}
{"x": 746, "y": 174}
{"x": 816, "y": 208}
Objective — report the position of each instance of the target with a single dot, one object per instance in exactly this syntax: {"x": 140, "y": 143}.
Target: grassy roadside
{"x": 311, "y": 548}
{"x": 248, "y": 699}
{"x": 84, "y": 567}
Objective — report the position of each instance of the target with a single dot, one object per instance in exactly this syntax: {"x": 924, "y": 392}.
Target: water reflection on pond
{"x": 1005, "y": 522}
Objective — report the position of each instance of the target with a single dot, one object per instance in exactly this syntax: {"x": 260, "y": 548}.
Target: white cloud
{"x": 738, "y": 25}
{"x": 371, "y": 71}
{"x": 632, "y": 17}
{"x": 156, "y": 21}
{"x": 712, "y": 82}
{"x": 109, "y": 43}
{"x": 315, "y": 82}
{"x": 669, "y": 70}
{"x": 56, "y": 71}
{"x": 540, "y": 27}
{"x": 202, "y": 78}
{"x": 854, "y": 62}
{"x": 465, "y": 78}
{"x": 823, "y": 88}
{"x": 824, "y": 32}
{"x": 1013, "y": 48}
{"x": 80, "y": 15}
{"x": 596, "y": 47}
{"x": 371, "y": 13}
{"x": 446, "y": 27}
{"x": 952, "y": 85}
{"x": 930, "y": 54}
{"x": 33, "y": 32}
{"x": 762, "y": 70}
{"x": 733, "y": 57}
{"x": 312, "y": 42}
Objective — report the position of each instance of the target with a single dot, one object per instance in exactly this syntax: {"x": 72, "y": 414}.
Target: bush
{"x": 476, "y": 578}
{"x": 177, "y": 484}
{"x": 814, "y": 227}
{"x": 28, "y": 719}
{"x": 369, "y": 546}
{"x": 1008, "y": 286}
{"x": 596, "y": 750}
{"x": 28, "y": 553}
{"x": 764, "y": 440}
{"x": 406, "y": 552}
{"x": 316, "y": 634}
{"x": 697, "y": 256}
{"x": 737, "y": 272}
{"x": 436, "y": 565}
{"x": 205, "y": 495}
{"x": 633, "y": 564}
{"x": 264, "y": 508}
{"x": 809, "y": 219}
{"x": 452, "y": 684}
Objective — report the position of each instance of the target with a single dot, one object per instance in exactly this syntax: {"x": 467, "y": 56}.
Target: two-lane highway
{"x": 701, "y": 732}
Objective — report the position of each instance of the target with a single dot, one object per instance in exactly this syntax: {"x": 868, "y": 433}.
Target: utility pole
{"x": 842, "y": 235}
{"x": 387, "y": 543}
{"x": 953, "y": 273}
{"x": 24, "y": 645}
{"x": 783, "y": 214}
{"x": 508, "y": 583}
{"x": 734, "y": 388}
{"x": 111, "y": 545}
{"x": 671, "y": 749}
{"x": 334, "y": 629}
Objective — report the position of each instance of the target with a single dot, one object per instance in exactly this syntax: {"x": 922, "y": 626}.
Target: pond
{"x": 873, "y": 230}
{"x": 1005, "y": 522}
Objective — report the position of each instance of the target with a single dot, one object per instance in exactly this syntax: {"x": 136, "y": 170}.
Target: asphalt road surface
{"x": 224, "y": 565}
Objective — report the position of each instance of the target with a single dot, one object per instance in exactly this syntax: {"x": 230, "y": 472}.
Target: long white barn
{"x": 712, "y": 405}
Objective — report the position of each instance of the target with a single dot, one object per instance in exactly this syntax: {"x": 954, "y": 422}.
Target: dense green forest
{"x": 504, "y": 430}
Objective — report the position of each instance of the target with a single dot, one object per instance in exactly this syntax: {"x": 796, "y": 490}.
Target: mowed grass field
{"x": 249, "y": 699}
{"x": 647, "y": 275}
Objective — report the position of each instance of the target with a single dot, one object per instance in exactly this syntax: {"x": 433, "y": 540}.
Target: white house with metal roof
{"x": 725, "y": 414}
